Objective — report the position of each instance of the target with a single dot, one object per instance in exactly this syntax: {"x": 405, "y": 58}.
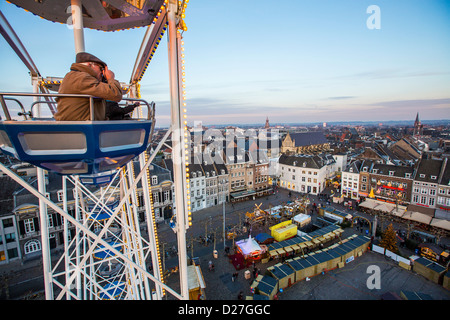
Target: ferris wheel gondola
{"x": 75, "y": 147}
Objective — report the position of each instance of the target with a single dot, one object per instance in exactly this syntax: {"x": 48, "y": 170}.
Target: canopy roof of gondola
{"x": 106, "y": 15}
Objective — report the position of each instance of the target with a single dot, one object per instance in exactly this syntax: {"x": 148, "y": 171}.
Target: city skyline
{"x": 302, "y": 62}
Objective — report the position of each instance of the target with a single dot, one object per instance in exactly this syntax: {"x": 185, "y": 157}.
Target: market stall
{"x": 250, "y": 249}
{"x": 284, "y": 274}
{"x": 196, "y": 283}
{"x": 301, "y": 220}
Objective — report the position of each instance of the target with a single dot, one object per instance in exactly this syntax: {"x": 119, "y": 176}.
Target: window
{"x": 431, "y": 201}
{"x": 415, "y": 198}
{"x": 155, "y": 197}
{"x": 50, "y": 220}
{"x": 29, "y": 225}
{"x": 60, "y": 195}
{"x": 32, "y": 246}
{"x": 433, "y": 177}
{"x": 8, "y": 223}
{"x": 432, "y": 192}
{"x": 391, "y": 173}
{"x": 10, "y": 237}
{"x": 166, "y": 195}
{"x": 407, "y": 175}
{"x": 154, "y": 180}
{"x": 422, "y": 175}
{"x": 423, "y": 200}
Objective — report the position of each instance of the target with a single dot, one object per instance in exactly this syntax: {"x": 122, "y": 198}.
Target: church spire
{"x": 267, "y": 125}
{"x": 417, "y": 126}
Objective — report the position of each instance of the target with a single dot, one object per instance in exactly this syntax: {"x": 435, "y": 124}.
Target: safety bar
{"x": 150, "y": 107}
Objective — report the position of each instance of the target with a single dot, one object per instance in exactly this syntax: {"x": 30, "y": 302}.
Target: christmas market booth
{"x": 196, "y": 283}
{"x": 250, "y": 249}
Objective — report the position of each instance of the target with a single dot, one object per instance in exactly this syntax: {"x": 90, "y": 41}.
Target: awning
{"x": 242, "y": 194}
{"x": 385, "y": 207}
{"x": 417, "y": 216}
{"x": 368, "y": 203}
{"x": 440, "y": 223}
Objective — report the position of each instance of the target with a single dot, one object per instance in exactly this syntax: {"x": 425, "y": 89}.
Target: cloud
{"x": 415, "y": 103}
{"x": 341, "y": 98}
{"x": 392, "y": 74}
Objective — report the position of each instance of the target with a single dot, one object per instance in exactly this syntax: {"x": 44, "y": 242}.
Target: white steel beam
{"x": 178, "y": 156}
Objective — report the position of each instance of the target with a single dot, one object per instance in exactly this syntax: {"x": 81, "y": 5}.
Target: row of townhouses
{"x": 426, "y": 184}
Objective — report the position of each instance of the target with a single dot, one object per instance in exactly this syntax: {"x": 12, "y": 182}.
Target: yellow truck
{"x": 283, "y": 230}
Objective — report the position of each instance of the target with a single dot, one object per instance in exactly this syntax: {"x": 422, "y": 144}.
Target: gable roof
{"x": 302, "y": 139}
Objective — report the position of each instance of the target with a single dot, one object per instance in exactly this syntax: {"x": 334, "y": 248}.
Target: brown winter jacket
{"x": 81, "y": 80}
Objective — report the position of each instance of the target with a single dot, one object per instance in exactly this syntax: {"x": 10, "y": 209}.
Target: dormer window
{"x": 422, "y": 175}
{"x": 351, "y": 170}
{"x": 407, "y": 175}
{"x": 365, "y": 169}
{"x": 375, "y": 170}
{"x": 391, "y": 173}
{"x": 433, "y": 177}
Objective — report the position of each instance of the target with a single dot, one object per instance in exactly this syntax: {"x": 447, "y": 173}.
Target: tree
{"x": 389, "y": 239}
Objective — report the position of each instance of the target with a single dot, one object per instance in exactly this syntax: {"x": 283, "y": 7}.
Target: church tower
{"x": 418, "y": 127}
{"x": 267, "y": 125}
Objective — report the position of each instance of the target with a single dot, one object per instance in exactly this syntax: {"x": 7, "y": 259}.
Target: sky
{"x": 296, "y": 61}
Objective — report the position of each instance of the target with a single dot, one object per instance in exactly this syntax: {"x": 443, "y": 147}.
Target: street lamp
{"x": 223, "y": 210}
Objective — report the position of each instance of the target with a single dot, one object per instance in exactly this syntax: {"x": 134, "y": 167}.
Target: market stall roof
{"x": 398, "y": 212}
{"x": 417, "y": 216}
{"x": 369, "y": 204}
{"x": 264, "y": 238}
{"x": 195, "y": 278}
{"x": 440, "y": 223}
{"x": 248, "y": 245}
{"x": 301, "y": 217}
{"x": 384, "y": 207}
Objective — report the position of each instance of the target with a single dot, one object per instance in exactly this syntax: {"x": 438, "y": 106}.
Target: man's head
{"x": 95, "y": 63}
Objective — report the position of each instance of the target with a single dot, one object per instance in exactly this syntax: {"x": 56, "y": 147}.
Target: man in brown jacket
{"x": 88, "y": 75}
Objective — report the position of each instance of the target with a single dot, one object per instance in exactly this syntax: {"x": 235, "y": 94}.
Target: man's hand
{"x": 109, "y": 75}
